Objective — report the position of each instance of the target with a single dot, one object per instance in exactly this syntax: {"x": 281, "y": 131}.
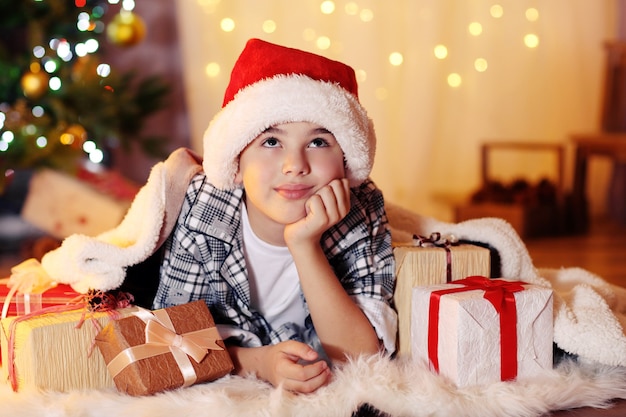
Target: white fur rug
{"x": 399, "y": 389}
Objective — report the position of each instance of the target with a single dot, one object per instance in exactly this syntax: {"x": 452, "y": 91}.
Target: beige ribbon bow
{"x": 161, "y": 338}
{"x": 195, "y": 344}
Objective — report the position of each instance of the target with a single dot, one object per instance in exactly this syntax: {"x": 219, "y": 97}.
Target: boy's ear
{"x": 238, "y": 177}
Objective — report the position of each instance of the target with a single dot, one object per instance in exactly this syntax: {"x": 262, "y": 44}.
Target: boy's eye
{"x": 319, "y": 143}
{"x": 270, "y": 142}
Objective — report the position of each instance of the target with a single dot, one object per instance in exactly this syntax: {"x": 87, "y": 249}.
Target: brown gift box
{"x": 121, "y": 341}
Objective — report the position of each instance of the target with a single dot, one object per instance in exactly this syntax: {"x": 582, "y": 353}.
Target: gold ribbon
{"x": 161, "y": 338}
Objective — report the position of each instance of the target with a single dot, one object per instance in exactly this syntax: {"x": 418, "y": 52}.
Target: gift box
{"x": 88, "y": 203}
{"x": 164, "y": 349}
{"x": 21, "y": 304}
{"x": 421, "y": 266}
{"x": 55, "y": 351}
{"x": 479, "y": 331}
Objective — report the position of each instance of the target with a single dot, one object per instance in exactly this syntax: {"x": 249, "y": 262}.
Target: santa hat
{"x": 272, "y": 84}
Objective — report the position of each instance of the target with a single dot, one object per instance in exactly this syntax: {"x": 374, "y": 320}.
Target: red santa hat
{"x": 272, "y": 84}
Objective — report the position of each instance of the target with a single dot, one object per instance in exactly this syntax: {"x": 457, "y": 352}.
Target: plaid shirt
{"x": 204, "y": 259}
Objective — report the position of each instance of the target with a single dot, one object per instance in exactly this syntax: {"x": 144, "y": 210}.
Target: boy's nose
{"x": 295, "y": 163}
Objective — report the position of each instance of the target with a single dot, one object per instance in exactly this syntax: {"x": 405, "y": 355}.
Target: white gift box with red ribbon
{"x": 478, "y": 330}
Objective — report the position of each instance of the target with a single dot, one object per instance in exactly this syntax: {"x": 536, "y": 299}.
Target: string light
{"x": 37, "y": 111}
{"x": 441, "y": 52}
{"x": 396, "y": 59}
{"x": 41, "y": 141}
{"x": 454, "y": 80}
{"x": 103, "y": 70}
{"x": 323, "y": 42}
{"x": 55, "y": 83}
{"x": 39, "y": 51}
{"x": 327, "y": 7}
{"x": 480, "y": 64}
{"x": 531, "y": 40}
{"x": 366, "y": 15}
{"x": 475, "y": 28}
{"x": 7, "y": 136}
{"x": 532, "y": 14}
{"x": 496, "y": 11}
{"x": 97, "y": 156}
{"x": 212, "y": 69}
{"x": 227, "y": 24}
{"x": 269, "y": 26}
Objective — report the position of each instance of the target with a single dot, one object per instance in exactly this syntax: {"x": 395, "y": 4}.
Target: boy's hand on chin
{"x": 324, "y": 209}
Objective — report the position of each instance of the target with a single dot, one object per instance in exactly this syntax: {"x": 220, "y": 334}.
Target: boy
{"x": 283, "y": 234}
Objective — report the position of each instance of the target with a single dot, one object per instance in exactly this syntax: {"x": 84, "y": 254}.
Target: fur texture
{"x": 395, "y": 387}
{"x": 284, "y": 99}
{"x": 590, "y": 314}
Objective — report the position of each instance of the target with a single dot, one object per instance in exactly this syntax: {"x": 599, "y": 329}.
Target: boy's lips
{"x": 293, "y": 191}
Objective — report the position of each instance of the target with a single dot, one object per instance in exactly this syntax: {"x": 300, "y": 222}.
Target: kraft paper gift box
{"x": 154, "y": 351}
{"x": 52, "y": 353}
{"x": 420, "y": 266}
{"x": 458, "y": 331}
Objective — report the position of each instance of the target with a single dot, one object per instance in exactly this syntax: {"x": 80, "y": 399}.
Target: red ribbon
{"x": 500, "y": 294}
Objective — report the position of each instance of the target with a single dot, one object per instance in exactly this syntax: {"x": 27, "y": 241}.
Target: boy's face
{"x": 283, "y": 167}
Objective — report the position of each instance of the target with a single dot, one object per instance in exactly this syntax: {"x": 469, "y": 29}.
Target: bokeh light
{"x": 327, "y": 7}
{"x": 227, "y": 24}
{"x": 323, "y": 42}
{"x": 531, "y": 40}
{"x": 396, "y": 59}
{"x": 454, "y": 80}
{"x": 532, "y": 14}
{"x": 480, "y": 64}
{"x": 496, "y": 11}
{"x": 212, "y": 69}
{"x": 441, "y": 51}
{"x": 475, "y": 28}
{"x": 269, "y": 26}
{"x": 366, "y": 15}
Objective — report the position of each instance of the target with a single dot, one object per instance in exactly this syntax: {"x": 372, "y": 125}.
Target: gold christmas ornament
{"x": 126, "y": 29}
{"x": 75, "y": 135}
{"x": 34, "y": 84}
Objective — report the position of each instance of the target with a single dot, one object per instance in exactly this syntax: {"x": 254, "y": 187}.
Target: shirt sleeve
{"x": 182, "y": 276}
{"x": 359, "y": 249}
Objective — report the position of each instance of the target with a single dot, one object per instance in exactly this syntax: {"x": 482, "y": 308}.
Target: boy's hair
{"x": 272, "y": 84}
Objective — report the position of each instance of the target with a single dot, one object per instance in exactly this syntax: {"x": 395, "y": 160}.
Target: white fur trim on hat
{"x": 284, "y": 99}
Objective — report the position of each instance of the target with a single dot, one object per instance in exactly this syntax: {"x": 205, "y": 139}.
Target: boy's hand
{"x": 330, "y": 204}
{"x": 295, "y": 366}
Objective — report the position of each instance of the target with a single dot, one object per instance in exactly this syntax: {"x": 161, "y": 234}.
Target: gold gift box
{"x": 52, "y": 353}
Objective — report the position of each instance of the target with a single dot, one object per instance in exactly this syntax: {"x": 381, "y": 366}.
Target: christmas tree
{"x": 60, "y": 103}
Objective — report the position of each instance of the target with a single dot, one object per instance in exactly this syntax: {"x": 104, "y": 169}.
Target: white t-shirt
{"x": 274, "y": 284}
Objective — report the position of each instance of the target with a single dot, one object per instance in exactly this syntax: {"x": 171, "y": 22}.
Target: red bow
{"x": 500, "y": 294}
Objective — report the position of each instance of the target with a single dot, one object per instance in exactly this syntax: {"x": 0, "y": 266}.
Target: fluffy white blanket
{"x": 589, "y": 313}
{"x": 394, "y": 387}
{"x": 589, "y": 320}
